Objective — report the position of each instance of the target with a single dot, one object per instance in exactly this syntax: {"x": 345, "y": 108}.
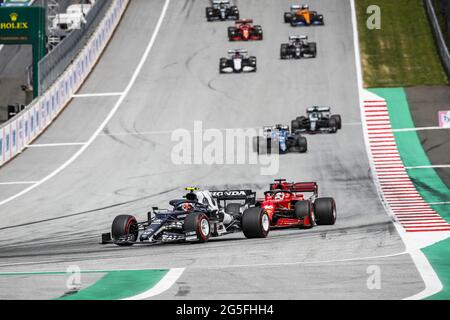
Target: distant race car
{"x": 244, "y": 30}
{"x": 288, "y": 206}
{"x": 297, "y": 48}
{"x": 238, "y": 61}
{"x": 278, "y": 139}
{"x": 222, "y": 10}
{"x": 300, "y": 15}
{"x": 195, "y": 218}
{"x": 318, "y": 119}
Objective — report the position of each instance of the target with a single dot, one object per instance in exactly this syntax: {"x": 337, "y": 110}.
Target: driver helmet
{"x": 280, "y": 196}
{"x": 187, "y": 207}
{"x": 206, "y": 198}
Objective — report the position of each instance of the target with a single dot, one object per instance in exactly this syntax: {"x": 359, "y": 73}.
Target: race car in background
{"x": 221, "y": 10}
{"x": 300, "y": 15}
{"x": 279, "y": 139}
{"x": 317, "y": 120}
{"x": 195, "y": 218}
{"x": 288, "y": 206}
{"x": 238, "y": 61}
{"x": 244, "y": 30}
{"x": 297, "y": 48}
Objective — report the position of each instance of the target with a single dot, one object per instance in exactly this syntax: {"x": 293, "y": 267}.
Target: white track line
{"x": 95, "y": 95}
{"x": 50, "y": 145}
{"x": 419, "y": 129}
{"x": 108, "y": 118}
{"x": 432, "y": 282}
{"x": 16, "y": 183}
{"x": 164, "y": 284}
{"x": 429, "y": 167}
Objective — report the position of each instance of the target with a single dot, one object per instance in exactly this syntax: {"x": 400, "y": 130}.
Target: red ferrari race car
{"x": 287, "y": 205}
{"x": 245, "y": 31}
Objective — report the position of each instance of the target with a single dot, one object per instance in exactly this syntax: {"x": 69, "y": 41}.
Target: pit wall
{"x": 19, "y": 132}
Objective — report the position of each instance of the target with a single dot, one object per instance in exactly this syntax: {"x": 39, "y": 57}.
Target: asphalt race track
{"x": 127, "y": 168}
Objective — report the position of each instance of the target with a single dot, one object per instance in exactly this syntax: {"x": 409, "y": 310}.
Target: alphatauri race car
{"x": 278, "y": 139}
{"x": 288, "y": 206}
{"x": 238, "y": 61}
{"x": 318, "y": 119}
{"x": 300, "y": 15}
{"x": 195, "y": 218}
{"x": 244, "y": 30}
{"x": 222, "y": 10}
{"x": 297, "y": 48}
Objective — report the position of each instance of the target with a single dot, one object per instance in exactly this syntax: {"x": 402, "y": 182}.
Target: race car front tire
{"x": 199, "y": 223}
{"x": 325, "y": 211}
{"x": 302, "y": 144}
{"x": 124, "y": 226}
{"x": 255, "y": 223}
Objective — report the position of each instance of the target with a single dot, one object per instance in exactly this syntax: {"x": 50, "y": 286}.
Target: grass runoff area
{"x": 403, "y": 52}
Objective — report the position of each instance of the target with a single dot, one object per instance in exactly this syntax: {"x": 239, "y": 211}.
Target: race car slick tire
{"x": 199, "y": 223}
{"x": 255, "y": 223}
{"x": 313, "y": 49}
{"x": 325, "y": 211}
{"x": 302, "y": 144}
{"x": 287, "y": 17}
{"x": 338, "y": 120}
{"x": 302, "y": 209}
{"x": 332, "y": 123}
{"x": 295, "y": 125}
{"x": 284, "y": 51}
{"x": 231, "y": 33}
{"x": 124, "y": 226}
{"x": 234, "y": 209}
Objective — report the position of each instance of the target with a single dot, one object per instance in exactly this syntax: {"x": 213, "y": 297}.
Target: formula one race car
{"x": 245, "y": 31}
{"x": 195, "y": 218}
{"x": 238, "y": 61}
{"x": 300, "y": 15}
{"x": 287, "y": 205}
{"x": 279, "y": 139}
{"x": 318, "y": 119}
{"x": 297, "y": 48}
{"x": 222, "y": 10}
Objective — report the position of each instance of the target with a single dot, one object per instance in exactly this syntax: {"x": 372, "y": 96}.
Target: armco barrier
{"x": 440, "y": 40}
{"x": 19, "y": 132}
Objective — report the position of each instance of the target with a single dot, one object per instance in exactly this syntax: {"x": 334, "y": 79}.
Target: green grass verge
{"x": 403, "y": 52}
{"x": 438, "y": 255}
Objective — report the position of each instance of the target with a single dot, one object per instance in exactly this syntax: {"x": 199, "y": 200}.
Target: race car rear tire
{"x": 124, "y": 225}
{"x": 284, "y": 51}
{"x": 302, "y": 144}
{"x": 252, "y": 61}
{"x": 199, "y": 223}
{"x": 338, "y": 120}
{"x": 287, "y": 17}
{"x": 223, "y": 64}
{"x": 295, "y": 125}
{"x": 231, "y": 33}
{"x": 208, "y": 14}
{"x": 313, "y": 49}
{"x": 325, "y": 211}
{"x": 234, "y": 209}
{"x": 333, "y": 125}
{"x": 259, "y": 32}
{"x": 255, "y": 223}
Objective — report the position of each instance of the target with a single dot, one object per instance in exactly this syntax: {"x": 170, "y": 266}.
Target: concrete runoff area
{"x": 425, "y": 103}
{"x": 127, "y": 169}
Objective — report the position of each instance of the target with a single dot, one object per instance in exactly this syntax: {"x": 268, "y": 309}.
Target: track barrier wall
{"x": 19, "y": 132}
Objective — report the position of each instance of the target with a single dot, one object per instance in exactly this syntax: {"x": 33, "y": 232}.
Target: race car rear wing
{"x": 296, "y": 7}
{"x": 310, "y": 187}
{"x": 319, "y": 109}
{"x": 244, "y": 21}
{"x": 242, "y": 51}
{"x": 228, "y": 195}
{"x": 293, "y": 38}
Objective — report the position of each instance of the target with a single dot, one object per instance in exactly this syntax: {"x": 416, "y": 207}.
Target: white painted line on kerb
{"x": 438, "y": 203}
{"x": 12, "y": 183}
{"x": 419, "y": 129}
{"x": 432, "y": 282}
{"x": 52, "y": 145}
{"x": 96, "y": 95}
{"x": 163, "y": 285}
{"x": 108, "y": 118}
{"x": 442, "y": 166}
